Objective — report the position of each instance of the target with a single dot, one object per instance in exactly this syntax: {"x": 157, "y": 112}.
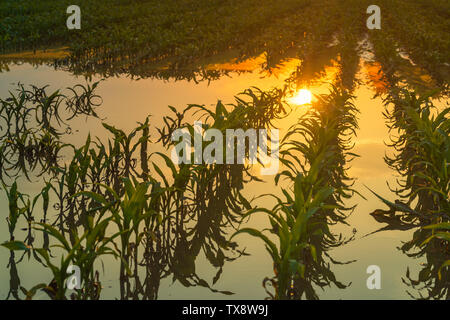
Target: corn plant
{"x": 422, "y": 146}
{"x": 301, "y": 221}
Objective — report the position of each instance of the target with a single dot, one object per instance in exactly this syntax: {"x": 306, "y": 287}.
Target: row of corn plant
{"x": 420, "y": 138}
{"x": 103, "y": 203}
{"x": 422, "y": 158}
{"x": 413, "y": 118}
{"x": 214, "y": 202}
{"x": 315, "y": 152}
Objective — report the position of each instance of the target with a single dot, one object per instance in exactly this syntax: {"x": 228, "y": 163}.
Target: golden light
{"x": 302, "y": 97}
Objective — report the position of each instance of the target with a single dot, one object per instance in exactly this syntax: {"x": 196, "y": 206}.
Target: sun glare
{"x": 302, "y": 97}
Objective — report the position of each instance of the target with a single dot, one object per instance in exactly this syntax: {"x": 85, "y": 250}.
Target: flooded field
{"x": 89, "y": 178}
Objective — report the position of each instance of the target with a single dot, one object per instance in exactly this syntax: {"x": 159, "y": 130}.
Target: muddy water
{"x": 127, "y": 101}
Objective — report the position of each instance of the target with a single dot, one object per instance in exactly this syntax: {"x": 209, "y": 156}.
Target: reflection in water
{"x": 119, "y": 198}
{"x": 162, "y": 223}
{"x": 421, "y": 144}
{"x": 302, "y": 97}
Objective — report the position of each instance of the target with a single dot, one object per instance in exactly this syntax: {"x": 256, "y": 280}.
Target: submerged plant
{"x": 315, "y": 164}
{"x": 422, "y": 159}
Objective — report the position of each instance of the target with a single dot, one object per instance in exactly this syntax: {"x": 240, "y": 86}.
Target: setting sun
{"x": 304, "y": 96}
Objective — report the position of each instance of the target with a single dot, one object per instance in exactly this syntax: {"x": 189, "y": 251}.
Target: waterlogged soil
{"x": 127, "y": 101}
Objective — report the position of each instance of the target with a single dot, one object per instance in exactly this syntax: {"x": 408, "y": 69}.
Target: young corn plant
{"x": 206, "y": 197}
{"x": 422, "y": 159}
{"x": 92, "y": 244}
{"x": 290, "y": 224}
{"x": 86, "y": 248}
{"x": 314, "y": 152}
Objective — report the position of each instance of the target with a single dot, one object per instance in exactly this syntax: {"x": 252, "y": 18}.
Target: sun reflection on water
{"x": 302, "y": 97}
